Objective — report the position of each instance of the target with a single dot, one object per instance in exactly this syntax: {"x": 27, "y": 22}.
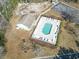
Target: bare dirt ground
{"x": 67, "y": 40}
{"x": 15, "y": 43}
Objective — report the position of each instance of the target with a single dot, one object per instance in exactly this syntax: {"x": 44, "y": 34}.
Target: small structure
{"x": 26, "y": 22}
{"x": 46, "y": 31}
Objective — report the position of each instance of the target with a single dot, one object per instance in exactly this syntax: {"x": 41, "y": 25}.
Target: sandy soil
{"x": 15, "y": 38}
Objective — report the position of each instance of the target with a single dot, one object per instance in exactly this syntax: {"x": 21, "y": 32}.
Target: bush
{"x": 8, "y": 7}
{"x": 77, "y": 25}
{"x": 2, "y": 38}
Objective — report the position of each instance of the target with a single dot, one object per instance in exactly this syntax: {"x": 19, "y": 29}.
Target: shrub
{"x": 2, "y": 38}
{"x": 8, "y": 7}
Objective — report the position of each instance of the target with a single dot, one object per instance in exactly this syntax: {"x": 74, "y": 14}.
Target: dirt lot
{"x": 19, "y": 45}
{"x": 15, "y": 38}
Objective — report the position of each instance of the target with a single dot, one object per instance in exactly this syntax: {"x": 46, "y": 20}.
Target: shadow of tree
{"x": 63, "y": 51}
{"x": 77, "y": 43}
{"x": 2, "y": 41}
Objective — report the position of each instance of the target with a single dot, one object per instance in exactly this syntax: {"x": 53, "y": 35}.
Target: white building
{"x": 47, "y": 30}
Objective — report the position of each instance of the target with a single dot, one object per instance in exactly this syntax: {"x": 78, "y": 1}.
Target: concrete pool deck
{"x": 50, "y": 38}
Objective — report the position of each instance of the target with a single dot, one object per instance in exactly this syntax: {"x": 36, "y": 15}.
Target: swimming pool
{"x": 47, "y": 28}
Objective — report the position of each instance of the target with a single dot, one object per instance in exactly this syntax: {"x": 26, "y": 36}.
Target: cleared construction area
{"x": 19, "y": 45}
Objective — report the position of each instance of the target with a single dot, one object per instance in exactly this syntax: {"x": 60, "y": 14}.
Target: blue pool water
{"x": 47, "y": 28}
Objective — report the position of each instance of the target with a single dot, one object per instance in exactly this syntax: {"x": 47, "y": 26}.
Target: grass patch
{"x": 36, "y": 1}
{"x": 77, "y": 25}
{"x": 7, "y": 9}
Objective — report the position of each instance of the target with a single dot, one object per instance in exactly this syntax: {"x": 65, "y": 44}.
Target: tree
{"x": 75, "y": 1}
{"x": 71, "y": 1}
{"x": 2, "y": 38}
{"x": 7, "y": 9}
